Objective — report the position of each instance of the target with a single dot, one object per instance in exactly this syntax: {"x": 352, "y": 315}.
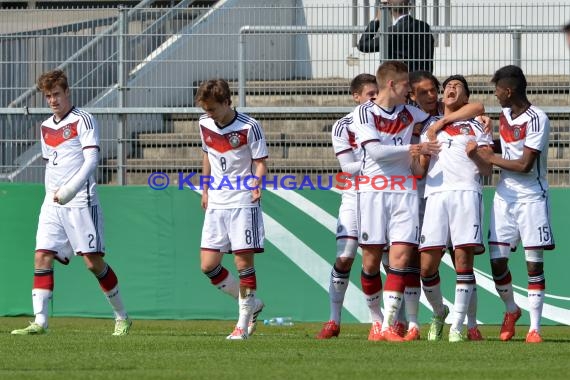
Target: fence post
{"x": 517, "y": 47}
{"x": 122, "y": 88}
{"x": 241, "y": 68}
{"x": 385, "y": 24}
{"x": 354, "y": 9}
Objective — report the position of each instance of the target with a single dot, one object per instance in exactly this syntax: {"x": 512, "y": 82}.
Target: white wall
{"x": 469, "y": 54}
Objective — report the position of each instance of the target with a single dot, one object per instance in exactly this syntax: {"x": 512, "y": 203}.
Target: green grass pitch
{"x": 82, "y": 348}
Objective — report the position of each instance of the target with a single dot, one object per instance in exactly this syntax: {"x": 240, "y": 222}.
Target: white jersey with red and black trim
{"x": 62, "y": 143}
{"x": 531, "y": 130}
{"x": 451, "y": 169}
{"x": 231, "y": 150}
{"x": 344, "y": 140}
{"x": 391, "y": 128}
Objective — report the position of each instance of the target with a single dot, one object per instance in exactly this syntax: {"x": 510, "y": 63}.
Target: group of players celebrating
{"x": 448, "y": 143}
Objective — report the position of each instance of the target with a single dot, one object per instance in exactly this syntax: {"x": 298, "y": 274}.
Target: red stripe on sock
{"x": 43, "y": 282}
{"x": 412, "y": 280}
{"x": 395, "y": 282}
{"x": 505, "y": 281}
{"x": 220, "y": 277}
{"x": 109, "y": 282}
{"x": 249, "y": 282}
{"x": 536, "y": 286}
{"x": 371, "y": 285}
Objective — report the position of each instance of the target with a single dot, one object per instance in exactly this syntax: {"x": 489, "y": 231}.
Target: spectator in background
{"x": 409, "y": 40}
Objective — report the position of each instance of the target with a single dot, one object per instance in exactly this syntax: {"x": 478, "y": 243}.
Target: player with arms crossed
{"x": 71, "y": 221}
{"x": 520, "y": 207}
{"x": 363, "y": 88}
{"x": 424, "y": 94}
{"x": 453, "y": 208}
{"x": 387, "y": 198}
{"x": 233, "y": 144}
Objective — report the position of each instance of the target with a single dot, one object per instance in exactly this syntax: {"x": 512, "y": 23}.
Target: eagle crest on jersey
{"x": 66, "y": 132}
{"x": 234, "y": 140}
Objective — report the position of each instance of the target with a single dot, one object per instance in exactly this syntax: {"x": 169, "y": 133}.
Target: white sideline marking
{"x": 329, "y": 222}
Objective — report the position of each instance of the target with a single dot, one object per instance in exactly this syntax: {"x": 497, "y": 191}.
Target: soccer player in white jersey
{"x": 349, "y": 154}
{"x": 425, "y": 94}
{"x": 520, "y": 207}
{"x": 70, "y": 221}
{"x": 234, "y": 152}
{"x": 387, "y": 198}
{"x": 454, "y": 208}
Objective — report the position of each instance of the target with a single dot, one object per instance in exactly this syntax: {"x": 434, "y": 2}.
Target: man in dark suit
{"x": 409, "y": 40}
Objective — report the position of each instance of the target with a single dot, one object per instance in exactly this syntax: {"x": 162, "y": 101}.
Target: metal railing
{"x": 516, "y": 32}
{"x": 295, "y": 76}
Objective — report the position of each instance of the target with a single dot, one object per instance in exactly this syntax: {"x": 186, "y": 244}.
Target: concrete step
{"x": 275, "y": 152}
{"x": 193, "y": 139}
{"x": 287, "y": 151}
{"x": 279, "y": 123}
{"x": 273, "y": 123}
{"x": 558, "y": 133}
{"x": 150, "y": 165}
{"x": 332, "y": 86}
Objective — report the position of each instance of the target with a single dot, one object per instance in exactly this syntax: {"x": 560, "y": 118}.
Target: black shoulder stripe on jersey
{"x": 478, "y": 125}
{"x": 85, "y": 117}
{"x": 338, "y": 129}
{"x": 341, "y": 125}
{"x": 255, "y": 128}
{"x": 256, "y": 131}
{"x": 534, "y": 120}
{"x": 362, "y": 112}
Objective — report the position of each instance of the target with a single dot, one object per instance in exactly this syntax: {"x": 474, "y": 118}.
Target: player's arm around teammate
{"x": 453, "y": 208}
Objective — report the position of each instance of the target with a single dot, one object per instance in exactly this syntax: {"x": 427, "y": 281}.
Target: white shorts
{"x": 385, "y": 216}
{"x": 514, "y": 222}
{"x": 346, "y": 226}
{"x": 69, "y": 231}
{"x": 237, "y": 230}
{"x": 453, "y": 214}
{"x": 422, "y": 210}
